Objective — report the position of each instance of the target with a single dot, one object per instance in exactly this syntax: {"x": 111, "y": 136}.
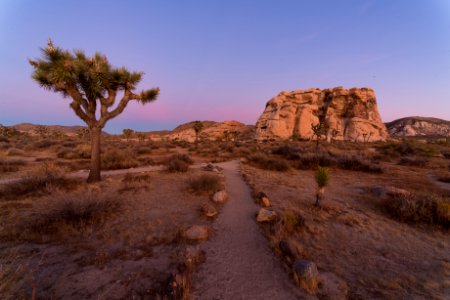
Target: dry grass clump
{"x": 413, "y": 161}
{"x": 292, "y": 221}
{"x": 131, "y": 178}
{"x": 430, "y": 209}
{"x": 446, "y": 153}
{"x": 444, "y": 178}
{"x": 11, "y": 165}
{"x": 81, "y": 151}
{"x": 264, "y": 162}
{"x": 75, "y": 211}
{"x": 407, "y": 148}
{"x": 114, "y": 160}
{"x": 15, "y": 152}
{"x": 205, "y": 183}
{"x": 356, "y": 163}
{"x": 44, "y": 144}
{"x": 312, "y": 161}
{"x": 178, "y": 163}
{"x": 38, "y": 182}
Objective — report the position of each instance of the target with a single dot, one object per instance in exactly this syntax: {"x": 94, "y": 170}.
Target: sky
{"x": 223, "y": 60}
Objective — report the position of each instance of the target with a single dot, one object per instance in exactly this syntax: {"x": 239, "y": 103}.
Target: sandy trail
{"x": 239, "y": 263}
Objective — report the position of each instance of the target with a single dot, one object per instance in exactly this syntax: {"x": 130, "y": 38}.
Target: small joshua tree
{"x": 141, "y": 136}
{"x": 198, "y": 126}
{"x": 93, "y": 85}
{"x": 322, "y": 177}
{"x": 128, "y": 133}
{"x": 319, "y": 131}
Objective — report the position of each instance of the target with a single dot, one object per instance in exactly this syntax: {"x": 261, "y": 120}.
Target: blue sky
{"x": 223, "y": 60}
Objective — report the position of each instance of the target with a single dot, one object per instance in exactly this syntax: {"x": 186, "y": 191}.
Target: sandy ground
{"x": 239, "y": 263}
{"x": 351, "y": 237}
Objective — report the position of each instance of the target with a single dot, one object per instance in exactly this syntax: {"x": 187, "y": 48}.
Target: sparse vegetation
{"x": 430, "y": 209}
{"x": 115, "y": 159}
{"x": 40, "y": 181}
{"x": 322, "y": 177}
{"x": 205, "y": 183}
{"x": 413, "y": 161}
{"x": 178, "y": 163}
{"x": 264, "y": 162}
{"x": 10, "y": 165}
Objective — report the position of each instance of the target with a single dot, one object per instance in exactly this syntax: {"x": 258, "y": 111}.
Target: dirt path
{"x": 239, "y": 263}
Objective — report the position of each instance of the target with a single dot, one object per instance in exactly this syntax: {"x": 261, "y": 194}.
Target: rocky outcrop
{"x": 349, "y": 115}
{"x": 419, "y": 126}
{"x": 227, "y": 130}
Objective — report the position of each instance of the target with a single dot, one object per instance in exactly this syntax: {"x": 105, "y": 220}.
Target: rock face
{"x": 265, "y": 215}
{"x": 350, "y": 115}
{"x": 419, "y": 126}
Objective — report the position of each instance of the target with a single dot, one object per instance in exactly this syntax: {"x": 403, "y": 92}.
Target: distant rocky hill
{"x": 32, "y": 128}
{"x": 418, "y": 126}
{"x": 211, "y": 131}
{"x": 350, "y": 115}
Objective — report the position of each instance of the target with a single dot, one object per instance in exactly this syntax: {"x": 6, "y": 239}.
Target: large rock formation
{"x": 211, "y": 131}
{"x": 419, "y": 126}
{"x": 350, "y": 115}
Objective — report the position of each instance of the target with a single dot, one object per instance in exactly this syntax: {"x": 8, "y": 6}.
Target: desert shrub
{"x": 83, "y": 151}
{"x": 444, "y": 178}
{"x": 69, "y": 144}
{"x": 10, "y": 165}
{"x": 446, "y": 153}
{"x": 114, "y": 159}
{"x": 322, "y": 177}
{"x": 40, "y": 181}
{"x": 178, "y": 163}
{"x": 142, "y": 149}
{"x": 356, "y": 163}
{"x": 129, "y": 178}
{"x": 15, "y": 152}
{"x": 407, "y": 148}
{"x": 76, "y": 210}
{"x": 312, "y": 161}
{"x": 288, "y": 152}
{"x": 264, "y": 162}
{"x": 146, "y": 161}
{"x": 45, "y": 144}
{"x": 66, "y": 153}
{"x": 292, "y": 221}
{"x": 413, "y": 161}
{"x": 205, "y": 183}
{"x": 422, "y": 208}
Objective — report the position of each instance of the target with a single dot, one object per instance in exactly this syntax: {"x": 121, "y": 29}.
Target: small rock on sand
{"x": 220, "y": 197}
{"x": 209, "y": 210}
{"x": 197, "y": 233}
{"x": 266, "y": 215}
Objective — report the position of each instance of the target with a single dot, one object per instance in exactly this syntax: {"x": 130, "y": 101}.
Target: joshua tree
{"x": 92, "y": 84}
{"x": 128, "y": 133}
{"x": 141, "y": 136}
{"x": 322, "y": 177}
{"x": 319, "y": 131}
{"x": 198, "y": 126}
{"x": 226, "y": 135}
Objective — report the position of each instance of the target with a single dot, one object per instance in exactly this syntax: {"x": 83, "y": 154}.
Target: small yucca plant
{"x": 322, "y": 177}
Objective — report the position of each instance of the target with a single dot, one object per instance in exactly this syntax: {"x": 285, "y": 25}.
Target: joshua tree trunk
{"x": 319, "y": 196}
{"x": 94, "y": 173}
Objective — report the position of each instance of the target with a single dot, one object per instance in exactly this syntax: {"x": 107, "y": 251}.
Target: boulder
{"x": 350, "y": 115}
{"x": 266, "y": 215}
{"x": 197, "y": 233}
{"x": 306, "y": 275}
{"x": 220, "y": 197}
{"x": 209, "y": 210}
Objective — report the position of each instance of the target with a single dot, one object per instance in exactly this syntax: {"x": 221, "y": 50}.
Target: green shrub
{"x": 322, "y": 177}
